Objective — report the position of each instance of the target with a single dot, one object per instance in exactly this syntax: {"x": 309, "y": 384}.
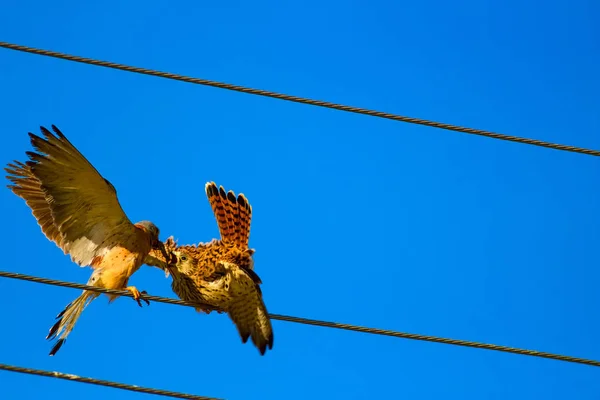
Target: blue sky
{"x": 356, "y": 219}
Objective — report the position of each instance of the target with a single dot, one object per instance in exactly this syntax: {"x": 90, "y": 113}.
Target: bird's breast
{"x": 118, "y": 264}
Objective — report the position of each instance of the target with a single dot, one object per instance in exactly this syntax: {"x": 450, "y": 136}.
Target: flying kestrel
{"x": 78, "y": 210}
{"x": 221, "y": 273}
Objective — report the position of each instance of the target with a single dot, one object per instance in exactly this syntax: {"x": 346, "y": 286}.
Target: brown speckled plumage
{"x": 221, "y": 273}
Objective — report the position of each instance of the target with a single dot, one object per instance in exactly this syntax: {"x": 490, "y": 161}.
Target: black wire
{"x": 326, "y": 324}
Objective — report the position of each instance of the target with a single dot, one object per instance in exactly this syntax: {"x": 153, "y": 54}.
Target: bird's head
{"x": 153, "y": 231}
{"x": 182, "y": 262}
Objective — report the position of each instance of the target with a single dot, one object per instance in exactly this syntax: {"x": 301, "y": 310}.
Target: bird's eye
{"x": 183, "y": 258}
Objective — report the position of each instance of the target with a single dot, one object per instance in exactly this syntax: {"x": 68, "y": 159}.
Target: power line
{"x": 326, "y": 324}
{"x": 100, "y": 382}
{"x": 297, "y": 99}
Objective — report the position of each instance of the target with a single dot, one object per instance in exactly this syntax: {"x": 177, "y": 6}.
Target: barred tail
{"x": 67, "y": 319}
{"x": 233, "y": 214}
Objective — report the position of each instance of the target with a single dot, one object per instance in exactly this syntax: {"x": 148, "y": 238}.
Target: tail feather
{"x": 233, "y": 214}
{"x": 251, "y": 318}
{"x": 67, "y": 318}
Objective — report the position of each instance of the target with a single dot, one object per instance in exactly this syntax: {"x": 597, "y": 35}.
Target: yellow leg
{"x": 137, "y": 295}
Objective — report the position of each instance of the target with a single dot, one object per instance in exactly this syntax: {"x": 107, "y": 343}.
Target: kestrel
{"x": 221, "y": 273}
{"x": 78, "y": 210}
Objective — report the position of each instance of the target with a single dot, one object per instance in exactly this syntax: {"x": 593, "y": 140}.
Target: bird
{"x": 78, "y": 210}
{"x": 219, "y": 275}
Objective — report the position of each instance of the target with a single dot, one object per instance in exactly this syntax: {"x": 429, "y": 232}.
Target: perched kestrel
{"x": 221, "y": 273}
{"x": 78, "y": 210}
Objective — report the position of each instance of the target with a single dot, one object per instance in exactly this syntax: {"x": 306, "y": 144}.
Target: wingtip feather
{"x": 58, "y": 132}
{"x": 56, "y": 347}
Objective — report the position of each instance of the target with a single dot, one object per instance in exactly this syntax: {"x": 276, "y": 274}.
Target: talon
{"x": 145, "y": 300}
{"x": 137, "y": 296}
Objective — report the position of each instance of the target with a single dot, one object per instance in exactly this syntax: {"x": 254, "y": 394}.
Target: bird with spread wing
{"x": 78, "y": 210}
{"x": 220, "y": 274}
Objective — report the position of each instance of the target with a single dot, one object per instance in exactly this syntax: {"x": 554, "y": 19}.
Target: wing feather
{"x": 83, "y": 204}
{"x": 29, "y": 188}
{"x": 249, "y": 313}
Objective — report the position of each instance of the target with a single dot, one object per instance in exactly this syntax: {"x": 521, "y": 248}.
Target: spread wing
{"x": 29, "y": 188}
{"x": 83, "y": 205}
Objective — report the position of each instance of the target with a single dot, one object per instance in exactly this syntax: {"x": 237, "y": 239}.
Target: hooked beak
{"x": 158, "y": 245}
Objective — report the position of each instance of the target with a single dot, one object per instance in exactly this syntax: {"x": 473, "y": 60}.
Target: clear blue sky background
{"x": 356, "y": 219}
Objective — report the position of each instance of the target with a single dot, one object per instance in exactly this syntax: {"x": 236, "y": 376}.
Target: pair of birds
{"x": 78, "y": 210}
